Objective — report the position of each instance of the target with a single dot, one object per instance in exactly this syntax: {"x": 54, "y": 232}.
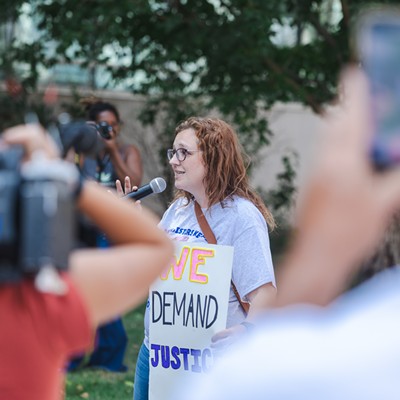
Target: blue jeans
{"x": 109, "y": 349}
{"x": 142, "y": 373}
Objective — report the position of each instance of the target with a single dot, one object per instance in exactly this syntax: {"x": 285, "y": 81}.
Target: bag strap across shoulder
{"x": 210, "y": 237}
{"x": 204, "y": 225}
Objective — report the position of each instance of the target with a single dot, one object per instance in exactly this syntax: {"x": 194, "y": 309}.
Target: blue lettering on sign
{"x": 194, "y": 360}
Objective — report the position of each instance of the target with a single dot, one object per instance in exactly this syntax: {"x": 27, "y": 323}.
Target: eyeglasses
{"x": 180, "y": 153}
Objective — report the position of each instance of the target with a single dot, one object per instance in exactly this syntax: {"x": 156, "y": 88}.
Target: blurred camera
{"x": 82, "y": 136}
{"x": 104, "y": 129}
{"x": 37, "y": 214}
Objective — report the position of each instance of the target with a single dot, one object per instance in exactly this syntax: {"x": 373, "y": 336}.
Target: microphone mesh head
{"x": 158, "y": 185}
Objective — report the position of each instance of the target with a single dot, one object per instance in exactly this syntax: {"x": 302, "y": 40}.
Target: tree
{"x": 193, "y": 56}
{"x": 228, "y": 52}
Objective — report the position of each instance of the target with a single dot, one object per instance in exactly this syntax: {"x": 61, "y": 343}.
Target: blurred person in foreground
{"x": 310, "y": 346}
{"x": 39, "y": 330}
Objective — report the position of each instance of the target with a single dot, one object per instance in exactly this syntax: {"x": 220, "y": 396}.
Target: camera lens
{"x": 104, "y": 129}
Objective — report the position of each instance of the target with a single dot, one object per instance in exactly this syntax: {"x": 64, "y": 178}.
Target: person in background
{"x": 40, "y": 330}
{"x": 210, "y": 170}
{"x": 113, "y": 161}
{"x": 315, "y": 345}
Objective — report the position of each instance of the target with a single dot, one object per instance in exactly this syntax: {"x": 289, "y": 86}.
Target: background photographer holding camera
{"x": 110, "y": 161}
{"x": 114, "y": 160}
{"x": 107, "y": 161}
{"x": 44, "y": 323}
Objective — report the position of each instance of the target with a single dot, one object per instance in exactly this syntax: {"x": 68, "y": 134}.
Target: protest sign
{"x": 188, "y": 305}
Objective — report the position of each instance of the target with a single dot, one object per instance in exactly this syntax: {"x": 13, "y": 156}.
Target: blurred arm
{"x": 115, "y": 279}
{"x": 112, "y": 280}
{"x": 130, "y": 164}
{"x": 261, "y": 299}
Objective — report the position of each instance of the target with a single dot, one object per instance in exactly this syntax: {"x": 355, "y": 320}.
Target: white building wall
{"x": 296, "y": 129}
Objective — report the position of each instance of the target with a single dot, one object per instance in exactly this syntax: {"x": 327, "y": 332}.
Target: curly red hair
{"x": 225, "y": 164}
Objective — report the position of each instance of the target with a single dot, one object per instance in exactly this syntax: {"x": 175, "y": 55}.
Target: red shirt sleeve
{"x": 63, "y": 321}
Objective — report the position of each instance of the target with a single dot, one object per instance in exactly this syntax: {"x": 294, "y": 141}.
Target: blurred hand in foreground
{"x": 346, "y": 208}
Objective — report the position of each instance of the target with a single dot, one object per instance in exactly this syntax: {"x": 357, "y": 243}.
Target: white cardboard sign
{"x": 188, "y": 305}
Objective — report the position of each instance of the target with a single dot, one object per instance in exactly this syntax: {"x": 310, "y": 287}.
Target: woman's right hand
{"x": 127, "y": 188}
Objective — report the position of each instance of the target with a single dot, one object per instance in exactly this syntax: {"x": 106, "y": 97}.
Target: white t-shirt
{"x": 237, "y": 223}
{"x": 347, "y": 351}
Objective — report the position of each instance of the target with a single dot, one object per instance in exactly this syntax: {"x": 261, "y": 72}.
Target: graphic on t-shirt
{"x": 183, "y": 234}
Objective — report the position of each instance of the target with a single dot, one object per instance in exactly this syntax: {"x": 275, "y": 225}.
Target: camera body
{"x": 37, "y": 214}
{"x": 104, "y": 130}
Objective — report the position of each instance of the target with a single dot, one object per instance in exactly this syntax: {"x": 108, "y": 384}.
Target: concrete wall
{"x": 295, "y": 129}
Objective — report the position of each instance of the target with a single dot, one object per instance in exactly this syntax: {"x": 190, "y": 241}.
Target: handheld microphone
{"x": 157, "y": 185}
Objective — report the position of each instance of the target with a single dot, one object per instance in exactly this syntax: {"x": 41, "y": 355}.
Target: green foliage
{"x": 14, "y": 110}
{"x": 95, "y": 384}
{"x": 226, "y": 50}
{"x": 11, "y": 110}
{"x": 194, "y": 56}
{"x": 223, "y": 52}
{"x": 280, "y": 199}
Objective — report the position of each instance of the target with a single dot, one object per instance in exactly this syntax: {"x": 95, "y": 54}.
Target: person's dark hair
{"x": 94, "y": 107}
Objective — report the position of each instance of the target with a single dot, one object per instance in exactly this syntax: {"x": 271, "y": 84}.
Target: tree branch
{"x": 309, "y": 100}
{"x": 326, "y": 35}
{"x": 346, "y": 13}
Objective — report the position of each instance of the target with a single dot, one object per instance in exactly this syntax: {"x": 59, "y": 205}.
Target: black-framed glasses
{"x": 180, "y": 153}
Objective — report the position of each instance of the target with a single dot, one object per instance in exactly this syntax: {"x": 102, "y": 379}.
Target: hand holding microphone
{"x": 157, "y": 185}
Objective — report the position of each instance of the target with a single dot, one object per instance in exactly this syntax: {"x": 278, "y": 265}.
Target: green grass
{"x": 101, "y": 385}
